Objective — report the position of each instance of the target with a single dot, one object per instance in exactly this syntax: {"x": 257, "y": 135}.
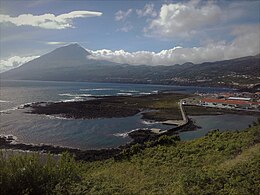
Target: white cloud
{"x": 126, "y": 27}
{"x": 122, "y": 15}
{"x": 56, "y": 43}
{"x": 148, "y": 10}
{"x": 245, "y": 43}
{"x": 14, "y": 62}
{"x": 48, "y": 21}
{"x": 185, "y": 19}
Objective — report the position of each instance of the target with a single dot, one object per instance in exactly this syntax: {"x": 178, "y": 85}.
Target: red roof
{"x": 223, "y": 101}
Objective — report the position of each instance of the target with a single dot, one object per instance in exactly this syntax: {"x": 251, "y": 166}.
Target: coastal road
{"x": 178, "y": 122}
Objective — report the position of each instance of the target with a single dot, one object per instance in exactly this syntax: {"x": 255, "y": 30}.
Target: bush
{"x": 168, "y": 140}
{"x": 29, "y": 174}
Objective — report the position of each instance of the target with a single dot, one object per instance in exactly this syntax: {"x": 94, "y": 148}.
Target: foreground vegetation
{"x": 218, "y": 163}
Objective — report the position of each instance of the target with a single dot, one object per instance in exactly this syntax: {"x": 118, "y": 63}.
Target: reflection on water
{"x": 224, "y": 122}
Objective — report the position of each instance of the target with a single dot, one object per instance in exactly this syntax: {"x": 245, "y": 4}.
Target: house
{"x": 229, "y": 103}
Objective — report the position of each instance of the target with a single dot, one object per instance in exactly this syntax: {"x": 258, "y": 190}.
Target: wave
{"x": 76, "y": 99}
{"x": 128, "y": 94}
{"x": 4, "y": 101}
{"x": 57, "y": 117}
{"x": 129, "y": 91}
{"x": 125, "y": 134}
{"x": 76, "y": 95}
{"x": 6, "y": 111}
{"x": 66, "y": 94}
{"x": 149, "y": 122}
{"x": 144, "y": 93}
{"x": 21, "y": 106}
{"x": 97, "y": 89}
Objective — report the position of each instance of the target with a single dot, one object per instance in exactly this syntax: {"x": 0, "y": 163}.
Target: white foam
{"x": 97, "y": 89}
{"x": 149, "y": 122}
{"x": 4, "y": 101}
{"x": 144, "y": 93}
{"x": 76, "y": 99}
{"x": 85, "y": 95}
{"x": 8, "y": 110}
{"x": 125, "y": 134}
{"x": 124, "y": 94}
{"x": 129, "y": 91}
{"x": 57, "y": 117}
{"x": 21, "y": 106}
{"x": 66, "y": 94}
{"x": 76, "y": 95}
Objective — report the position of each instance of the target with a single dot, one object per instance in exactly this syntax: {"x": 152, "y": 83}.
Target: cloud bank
{"x": 246, "y": 43}
{"x": 14, "y": 62}
{"x": 185, "y": 19}
{"x": 48, "y": 21}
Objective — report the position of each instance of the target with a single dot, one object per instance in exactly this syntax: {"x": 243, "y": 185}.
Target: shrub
{"x": 32, "y": 174}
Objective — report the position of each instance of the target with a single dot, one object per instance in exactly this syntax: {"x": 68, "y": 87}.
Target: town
{"x": 235, "y": 101}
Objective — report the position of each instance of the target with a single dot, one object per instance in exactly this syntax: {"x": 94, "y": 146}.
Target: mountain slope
{"x": 64, "y": 63}
{"x": 71, "y": 63}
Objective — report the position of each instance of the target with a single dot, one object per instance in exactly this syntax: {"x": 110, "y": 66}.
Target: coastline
{"x": 138, "y": 136}
{"x": 115, "y": 106}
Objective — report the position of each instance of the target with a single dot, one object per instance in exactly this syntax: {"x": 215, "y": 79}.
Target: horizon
{"x": 135, "y": 33}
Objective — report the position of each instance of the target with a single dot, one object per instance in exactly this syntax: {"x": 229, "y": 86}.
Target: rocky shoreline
{"x": 106, "y": 107}
{"x": 139, "y": 136}
{"x": 113, "y": 107}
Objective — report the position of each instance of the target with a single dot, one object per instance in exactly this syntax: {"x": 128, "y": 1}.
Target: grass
{"x": 200, "y": 110}
{"x": 164, "y": 106}
{"x": 218, "y": 163}
{"x": 30, "y": 174}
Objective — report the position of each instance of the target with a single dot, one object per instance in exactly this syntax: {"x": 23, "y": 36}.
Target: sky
{"x": 136, "y": 32}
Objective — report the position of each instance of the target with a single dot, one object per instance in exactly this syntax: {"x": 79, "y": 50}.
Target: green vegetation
{"x": 218, "y": 163}
{"x": 163, "y": 106}
{"x": 32, "y": 174}
{"x": 200, "y": 110}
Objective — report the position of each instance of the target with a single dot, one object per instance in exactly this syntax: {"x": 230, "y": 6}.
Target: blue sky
{"x": 134, "y": 32}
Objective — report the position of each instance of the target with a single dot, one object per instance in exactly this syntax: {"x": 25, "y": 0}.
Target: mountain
{"x": 65, "y": 63}
{"x": 71, "y": 63}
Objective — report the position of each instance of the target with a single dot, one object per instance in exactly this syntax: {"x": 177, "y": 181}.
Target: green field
{"x": 219, "y": 163}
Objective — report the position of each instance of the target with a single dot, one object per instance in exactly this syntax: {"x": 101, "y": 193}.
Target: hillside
{"x": 71, "y": 63}
{"x": 219, "y": 163}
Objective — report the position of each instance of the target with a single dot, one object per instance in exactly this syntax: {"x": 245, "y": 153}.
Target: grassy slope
{"x": 219, "y": 163}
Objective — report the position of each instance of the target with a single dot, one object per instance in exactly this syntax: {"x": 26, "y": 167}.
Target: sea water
{"x": 78, "y": 133}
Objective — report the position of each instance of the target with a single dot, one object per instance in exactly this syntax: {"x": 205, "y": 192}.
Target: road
{"x": 179, "y": 123}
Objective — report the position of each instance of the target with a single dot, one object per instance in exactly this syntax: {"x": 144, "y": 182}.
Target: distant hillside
{"x": 70, "y": 63}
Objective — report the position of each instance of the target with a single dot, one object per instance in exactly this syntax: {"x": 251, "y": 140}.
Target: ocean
{"x": 90, "y": 133}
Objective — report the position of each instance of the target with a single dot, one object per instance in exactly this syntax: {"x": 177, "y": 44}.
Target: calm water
{"x": 86, "y": 134}
{"x": 226, "y": 122}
